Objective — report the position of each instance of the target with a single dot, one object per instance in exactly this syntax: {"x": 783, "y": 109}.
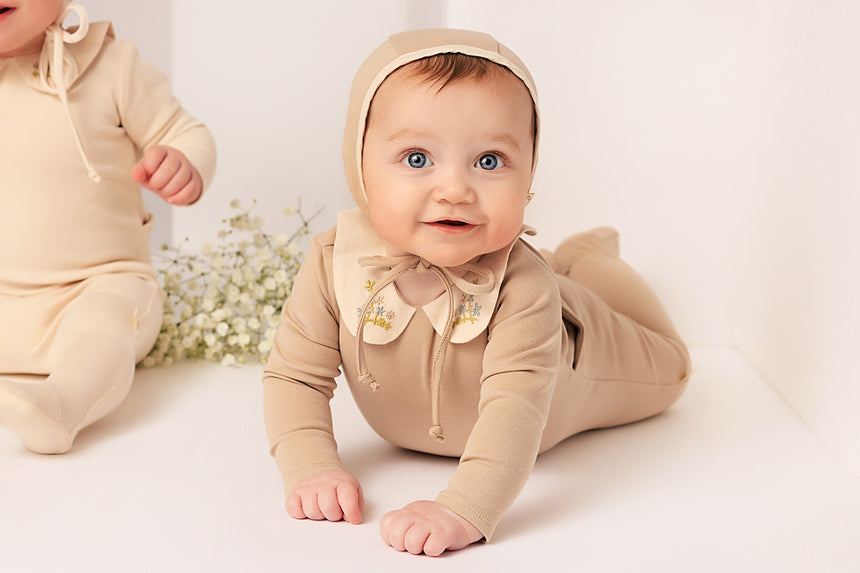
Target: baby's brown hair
{"x": 443, "y": 69}
{"x": 447, "y": 68}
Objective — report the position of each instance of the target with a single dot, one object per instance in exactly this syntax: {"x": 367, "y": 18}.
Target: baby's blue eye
{"x": 416, "y": 160}
{"x": 490, "y": 162}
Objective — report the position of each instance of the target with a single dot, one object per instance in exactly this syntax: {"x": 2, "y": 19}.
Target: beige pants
{"x": 629, "y": 363}
{"x": 77, "y": 346}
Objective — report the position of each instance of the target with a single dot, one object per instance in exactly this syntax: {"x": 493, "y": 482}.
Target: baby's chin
{"x": 451, "y": 261}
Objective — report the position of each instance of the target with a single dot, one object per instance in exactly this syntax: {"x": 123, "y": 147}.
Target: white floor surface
{"x": 179, "y": 479}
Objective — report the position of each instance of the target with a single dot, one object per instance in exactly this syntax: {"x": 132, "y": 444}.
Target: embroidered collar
{"x": 388, "y": 315}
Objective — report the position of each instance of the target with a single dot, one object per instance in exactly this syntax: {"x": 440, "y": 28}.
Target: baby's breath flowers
{"x": 222, "y": 304}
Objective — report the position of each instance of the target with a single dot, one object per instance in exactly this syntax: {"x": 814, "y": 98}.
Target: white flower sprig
{"x": 223, "y": 304}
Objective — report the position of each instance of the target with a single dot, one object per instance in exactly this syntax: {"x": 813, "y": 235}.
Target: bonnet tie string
{"x": 399, "y": 266}
{"x": 56, "y": 67}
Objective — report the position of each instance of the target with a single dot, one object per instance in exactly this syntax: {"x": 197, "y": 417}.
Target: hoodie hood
{"x": 399, "y": 50}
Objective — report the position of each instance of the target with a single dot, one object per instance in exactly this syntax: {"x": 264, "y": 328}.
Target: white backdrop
{"x": 720, "y": 136}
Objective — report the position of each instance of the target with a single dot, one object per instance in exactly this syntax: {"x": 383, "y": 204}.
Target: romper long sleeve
{"x": 299, "y": 377}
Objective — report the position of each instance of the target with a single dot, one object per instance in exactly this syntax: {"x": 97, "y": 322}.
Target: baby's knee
{"x": 116, "y": 325}
{"x": 116, "y": 303}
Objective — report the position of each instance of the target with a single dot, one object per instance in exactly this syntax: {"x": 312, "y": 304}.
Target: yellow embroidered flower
{"x": 377, "y": 315}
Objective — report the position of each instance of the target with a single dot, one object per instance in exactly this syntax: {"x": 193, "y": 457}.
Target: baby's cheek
{"x": 510, "y": 225}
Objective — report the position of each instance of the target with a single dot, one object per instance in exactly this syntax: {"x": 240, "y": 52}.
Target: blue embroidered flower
{"x": 468, "y": 311}
{"x": 376, "y": 315}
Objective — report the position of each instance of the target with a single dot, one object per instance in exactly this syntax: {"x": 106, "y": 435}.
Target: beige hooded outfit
{"x": 79, "y": 302}
{"x": 520, "y": 353}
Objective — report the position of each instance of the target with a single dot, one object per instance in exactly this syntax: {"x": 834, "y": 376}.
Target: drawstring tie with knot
{"x": 400, "y": 266}
{"x": 53, "y": 64}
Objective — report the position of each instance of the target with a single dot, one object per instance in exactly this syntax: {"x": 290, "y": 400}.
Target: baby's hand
{"x": 427, "y": 527}
{"x": 168, "y": 173}
{"x": 331, "y": 495}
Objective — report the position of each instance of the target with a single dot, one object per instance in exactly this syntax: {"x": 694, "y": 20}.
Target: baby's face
{"x": 23, "y": 24}
{"x": 447, "y": 172}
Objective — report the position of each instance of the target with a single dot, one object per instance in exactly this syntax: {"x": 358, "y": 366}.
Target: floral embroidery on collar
{"x": 377, "y": 315}
{"x": 468, "y": 311}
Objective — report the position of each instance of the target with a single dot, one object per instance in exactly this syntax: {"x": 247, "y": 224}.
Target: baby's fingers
{"x": 393, "y": 527}
{"x": 184, "y": 188}
{"x": 167, "y": 172}
{"x": 170, "y": 175}
{"x": 351, "y": 502}
{"x": 293, "y": 505}
{"x": 149, "y": 163}
{"x": 304, "y": 506}
{"x": 436, "y": 543}
{"x": 416, "y": 538}
{"x": 328, "y": 506}
{"x": 174, "y": 180}
{"x": 332, "y": 495}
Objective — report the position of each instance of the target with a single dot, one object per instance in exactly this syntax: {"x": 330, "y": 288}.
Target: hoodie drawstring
{"x": 53, "y": 60}
{"x": 400, "y": 266}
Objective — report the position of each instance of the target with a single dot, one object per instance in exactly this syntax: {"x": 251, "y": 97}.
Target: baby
{"x": 84, "y": 122}
{"x": 455, "y": 336}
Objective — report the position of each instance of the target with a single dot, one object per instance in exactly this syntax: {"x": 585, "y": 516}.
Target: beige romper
{"x": 538, "y": 358}
{"x": 79, "y": 303}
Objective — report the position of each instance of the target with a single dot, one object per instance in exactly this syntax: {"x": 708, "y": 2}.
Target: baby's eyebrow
{"x": 409, "y": 133}
{"x": 506, "y": 139}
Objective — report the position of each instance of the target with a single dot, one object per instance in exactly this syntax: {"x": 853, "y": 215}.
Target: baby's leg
{"x": 109, "y": 327}
{"x": 629, "y": 362}
{"x": 591, "y": 259}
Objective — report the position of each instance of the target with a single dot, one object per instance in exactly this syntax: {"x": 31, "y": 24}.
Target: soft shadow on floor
{"x": 589, "y": 469}
{"x": 152, "y": 394}
{"x": 374, "y": 461}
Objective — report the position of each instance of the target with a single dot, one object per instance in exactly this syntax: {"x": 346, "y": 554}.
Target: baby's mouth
{"x": 452, "y": 225}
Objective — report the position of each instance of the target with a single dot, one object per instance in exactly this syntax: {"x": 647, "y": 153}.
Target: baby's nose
{"x": 454, "y": 186}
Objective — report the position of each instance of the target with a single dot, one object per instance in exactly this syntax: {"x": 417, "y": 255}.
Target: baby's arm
{"x": 427, "y": 527}
{"x": 179, "y": 154}
{"x": 168, "y": 172}
{"x": 298, "y": 383}
{"x": 521, "y": 362}
{"x": 333, "y": 495}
